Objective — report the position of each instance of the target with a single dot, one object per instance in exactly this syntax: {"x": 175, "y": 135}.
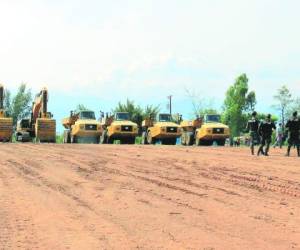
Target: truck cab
{"x": 119, "y": 127}
{"x": 162, "y": 129}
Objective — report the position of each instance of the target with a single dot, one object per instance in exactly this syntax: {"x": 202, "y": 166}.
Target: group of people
{"x": 261, "y": 134}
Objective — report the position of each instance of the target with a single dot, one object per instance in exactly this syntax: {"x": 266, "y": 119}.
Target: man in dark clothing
{"x": 265, "y": 130}
{"x": 293, "y": 127}
{"x": 252, "y": 127}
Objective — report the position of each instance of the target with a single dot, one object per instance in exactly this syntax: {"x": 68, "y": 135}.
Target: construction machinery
{"x": 204, "y": 131}
{"x": 118, "y": 127}
{"x": 6, "y": 123}
{"x": 81, "y": 127}
{"x": 41, "y": 126}
{"x": 163, "y": 129}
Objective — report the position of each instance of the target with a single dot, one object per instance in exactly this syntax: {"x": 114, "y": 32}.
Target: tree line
{"x": 239, "y": 103}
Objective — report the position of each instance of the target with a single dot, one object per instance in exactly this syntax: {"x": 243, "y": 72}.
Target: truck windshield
{"x": 164, "y": 117}
{"x": 213, "y": 118}
{"x": 87, "y": 115}
{"x": 122, "y": 117}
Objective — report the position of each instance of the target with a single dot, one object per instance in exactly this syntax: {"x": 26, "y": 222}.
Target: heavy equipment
{"x": 6, "y": 123}
{"x": 118, "y": 127}
{"x": 41, "y": 126}
{"x": 81, "y": 127}
{"x": 162, "y": 129}
{"x": 204, "y": 131}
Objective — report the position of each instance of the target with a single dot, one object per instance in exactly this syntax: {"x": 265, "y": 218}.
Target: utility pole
{"x": 170, "y": 103}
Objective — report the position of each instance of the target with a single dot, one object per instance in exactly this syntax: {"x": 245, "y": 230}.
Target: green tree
{"x": 137, "y": 113}
{"x": 237, "y": 102}
{"x": 81, "y": 107}
{"x": 283, "y": 100}
{"x": 19, "y": 106}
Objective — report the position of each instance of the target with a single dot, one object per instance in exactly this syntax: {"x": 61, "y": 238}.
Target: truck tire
{"x": 221, "y": 142}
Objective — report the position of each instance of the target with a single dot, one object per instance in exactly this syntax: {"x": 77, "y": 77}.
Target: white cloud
{"x": 145, "y": 48}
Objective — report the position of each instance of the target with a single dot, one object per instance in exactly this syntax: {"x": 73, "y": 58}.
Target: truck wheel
{"x": 109, "y": 140}
{"x": 150, "y": 139}
{"x": 131, "y": 140}
{"x": 221, "y": 142}
{"x": 144, "y": 138}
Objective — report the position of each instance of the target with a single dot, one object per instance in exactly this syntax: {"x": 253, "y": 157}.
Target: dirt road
{"x": 147, "y": 197}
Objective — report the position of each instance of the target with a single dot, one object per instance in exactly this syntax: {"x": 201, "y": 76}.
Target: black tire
{"x": 221, "y": 142}
{"x": 131, "y": 140}
{"x": 109, "y": 140}
{"x": 170, "y": 141}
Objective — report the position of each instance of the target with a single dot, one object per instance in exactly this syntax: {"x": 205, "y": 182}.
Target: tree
{"x": 237, "y": 102}
{"x": 284, "y": 100}
{"x": 136, "y": 112}
{"x": 19, "y": 106}
{"x": 200, "y": 105}
{"x": 81, "y": 107}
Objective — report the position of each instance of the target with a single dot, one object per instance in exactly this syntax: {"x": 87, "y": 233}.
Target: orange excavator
{"x": 40, "y": 127}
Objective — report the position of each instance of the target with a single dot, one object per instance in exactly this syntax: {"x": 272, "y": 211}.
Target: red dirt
{"x": 147, "y": 197}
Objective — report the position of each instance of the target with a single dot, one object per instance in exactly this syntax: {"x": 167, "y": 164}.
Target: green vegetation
{"x": 18, "y": 106}
{"x": 137, "y": 113}
{"x": 237, "y": 103}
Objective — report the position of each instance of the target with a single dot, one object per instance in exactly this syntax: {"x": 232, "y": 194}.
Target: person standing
{"x": 279, "y": 136}
{"x": 252, "y": 128}
{"x": 265, "y": 130}
{"x": 293, "y": 127}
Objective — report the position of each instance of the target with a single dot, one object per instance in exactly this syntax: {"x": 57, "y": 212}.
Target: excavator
{"x": 81, "y": 127}
{"x": 40, "y": 127}
{"x": 6, "y": 123}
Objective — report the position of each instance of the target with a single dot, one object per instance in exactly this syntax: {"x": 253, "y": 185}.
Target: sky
{"x": 97, "y": 52}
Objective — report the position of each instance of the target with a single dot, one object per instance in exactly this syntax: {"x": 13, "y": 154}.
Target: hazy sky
{"x": 99, "y": 52}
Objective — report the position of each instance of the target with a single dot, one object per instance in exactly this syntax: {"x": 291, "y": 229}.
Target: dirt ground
{"x": 147, "y": 197}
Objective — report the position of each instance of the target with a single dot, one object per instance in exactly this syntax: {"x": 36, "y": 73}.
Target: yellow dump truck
{"x": 204, "y": 131}
{"x": 41, "y": 126}
{"x": 118, "y": 127}
{"x": 6, "y": 123}
{"x": 81, "y": 127}
{"x": 163, "y": 129}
